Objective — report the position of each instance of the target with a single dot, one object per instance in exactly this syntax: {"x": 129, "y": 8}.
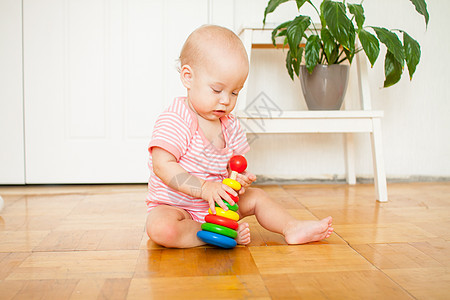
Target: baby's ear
{"x": 186, "y": 76}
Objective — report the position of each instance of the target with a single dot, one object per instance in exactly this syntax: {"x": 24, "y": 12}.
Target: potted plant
{"x": 334, "y": 42}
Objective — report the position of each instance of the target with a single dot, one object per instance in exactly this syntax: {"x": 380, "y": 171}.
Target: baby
{"x": 192, "y": 143}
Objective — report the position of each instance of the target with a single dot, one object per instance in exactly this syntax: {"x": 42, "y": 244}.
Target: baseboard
{"x": 268, "y": 180}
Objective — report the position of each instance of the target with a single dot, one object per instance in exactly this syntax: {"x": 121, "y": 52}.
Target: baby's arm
{"x": 166, "y": 167}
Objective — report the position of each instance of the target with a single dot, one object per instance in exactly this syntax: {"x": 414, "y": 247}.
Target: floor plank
{"x": 364, "y": 284}
{"x": 76, "y": 265}
{"x": 394, "y": 256}
{"x": 382, "y": 233}
{"x": 308, "y": 258}
{"x": 423, "y": 283}
{"x": 88, "y": 289}
{"x": 199, "y": 287}
{"x": 195, "y": 262}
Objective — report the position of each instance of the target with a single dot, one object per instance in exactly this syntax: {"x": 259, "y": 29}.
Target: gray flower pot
{"x": 325, "y": 88}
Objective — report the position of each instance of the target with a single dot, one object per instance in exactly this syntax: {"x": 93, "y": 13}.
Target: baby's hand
{"x": 245, "y": 179}
{"x": 215, "y": 192}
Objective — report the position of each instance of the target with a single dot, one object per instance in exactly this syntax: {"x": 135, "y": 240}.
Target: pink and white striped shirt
{"x": 176, "y": 130}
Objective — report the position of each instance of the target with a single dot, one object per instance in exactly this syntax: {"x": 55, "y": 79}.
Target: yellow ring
{"x": 232, "y": 184}
{"x": 229, "y": 214}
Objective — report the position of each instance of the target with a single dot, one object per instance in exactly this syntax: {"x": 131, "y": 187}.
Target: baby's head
{"x": 214, "y": 67}
{"x": 206, "y": 41}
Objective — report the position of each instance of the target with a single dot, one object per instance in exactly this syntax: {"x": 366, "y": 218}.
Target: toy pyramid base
{"x": 216, "y": 239}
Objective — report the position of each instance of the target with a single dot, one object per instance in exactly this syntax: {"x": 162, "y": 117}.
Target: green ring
{"x": 220, "y": 230}
{"x": 234, "y": 207}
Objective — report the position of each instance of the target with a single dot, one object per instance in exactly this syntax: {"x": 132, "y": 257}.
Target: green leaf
{"x": 421, "y": 8}
{"x": 392, "y": 69}
{"x": 289, "y": 62}
{"x": 338, "y": 23}
{"x": 322, "y": 19}
{"x": 334, "y": 56}
{"x": 412, "y": 53}
{"x": 358, "y": 11}
{"x": 312, "y": 52}
{"x": 351, "y": 39}
{"x": 329, "y": 45}
{"x": 293, "y": 63}
{"x": 280, "y": 30}
{"x": 392, "y": 42}
{"x": 370, "y": 45}
{"x": 300, "y": 3}
{"x": 298, "y": 61}
{"x": 295, "y": 32}
{"x": 349, "y": 55}
{"x": 271, "y": 6}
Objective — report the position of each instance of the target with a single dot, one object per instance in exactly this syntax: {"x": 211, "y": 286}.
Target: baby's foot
{"x": 243, "y": 234}
{"x": 301, "y": 232}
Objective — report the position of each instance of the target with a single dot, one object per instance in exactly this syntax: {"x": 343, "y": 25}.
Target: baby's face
{"x": 216, "y": 83}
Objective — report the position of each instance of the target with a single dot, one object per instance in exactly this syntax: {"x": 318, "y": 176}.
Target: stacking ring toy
{"x": 216, "y": 239}
{"x": 222, "y": 221}
{"x": 226, "y": 214}
{"x": 232, "y": 184}
{"x": 234, "y": 207}
{"x": 220, "y": 230}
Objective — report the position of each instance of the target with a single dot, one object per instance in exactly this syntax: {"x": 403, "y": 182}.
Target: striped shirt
{"x": 176, "y": 130}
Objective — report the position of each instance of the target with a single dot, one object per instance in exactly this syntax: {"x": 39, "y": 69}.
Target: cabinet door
{"x": 88, "y": 100}
{"x": 12, "y": 169}
{"x": 97, "y": 74}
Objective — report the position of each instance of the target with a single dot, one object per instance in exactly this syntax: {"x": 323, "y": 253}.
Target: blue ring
{"x": 216, "y": 239}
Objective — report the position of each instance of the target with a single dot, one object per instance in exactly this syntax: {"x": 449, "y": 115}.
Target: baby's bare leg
{"x": 274, "y": 217}
{"x": 172, "y": 227}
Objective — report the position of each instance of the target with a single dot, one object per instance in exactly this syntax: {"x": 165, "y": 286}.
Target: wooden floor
{"x": 88, "y": 242}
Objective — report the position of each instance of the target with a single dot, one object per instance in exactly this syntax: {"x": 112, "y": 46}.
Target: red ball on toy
{"x": 238, "y": 163}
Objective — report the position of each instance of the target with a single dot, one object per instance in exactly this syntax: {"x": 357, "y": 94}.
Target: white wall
{"x": 416, "y": 125}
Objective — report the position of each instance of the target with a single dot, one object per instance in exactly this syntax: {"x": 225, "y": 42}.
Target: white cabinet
{"x": 11, "y": 94}
{"x": 92, "y": 89}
